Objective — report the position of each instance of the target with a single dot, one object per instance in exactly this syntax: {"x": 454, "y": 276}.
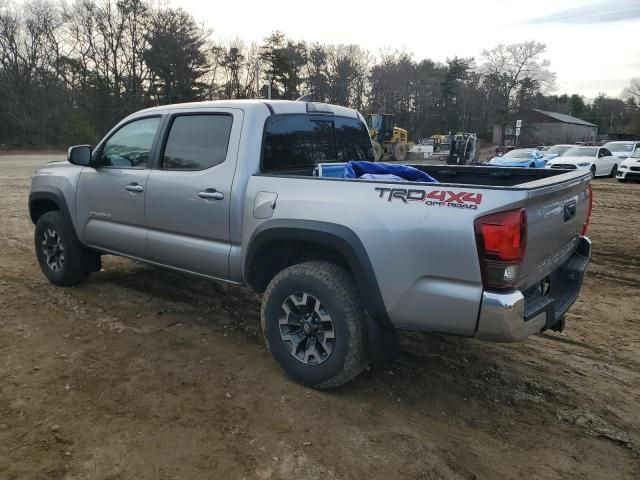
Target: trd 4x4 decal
{"x": 434, "y": 198}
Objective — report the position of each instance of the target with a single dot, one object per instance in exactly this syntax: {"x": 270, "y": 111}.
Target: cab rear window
{"x": 304, "y": 140}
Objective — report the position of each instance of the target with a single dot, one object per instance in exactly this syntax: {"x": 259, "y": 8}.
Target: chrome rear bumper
{"x": 514, "y": 316}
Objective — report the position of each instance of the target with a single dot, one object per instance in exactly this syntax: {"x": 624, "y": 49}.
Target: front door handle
{"x": 211, "y": 194}
{"x": 134, "y": 187}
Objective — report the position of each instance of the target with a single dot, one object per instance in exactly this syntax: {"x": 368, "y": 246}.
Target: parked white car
{"x": 597, "y": 159}
{"x": 622, "y": 149}
{"x": 629, "y": 169}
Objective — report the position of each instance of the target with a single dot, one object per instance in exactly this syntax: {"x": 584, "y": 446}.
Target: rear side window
{"x": 197, "y": 142}
{"x": 292, "y": 141}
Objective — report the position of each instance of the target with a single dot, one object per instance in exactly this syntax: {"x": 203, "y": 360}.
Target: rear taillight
{"x": 502, "y": 240}
{"x": 585, "y": 225}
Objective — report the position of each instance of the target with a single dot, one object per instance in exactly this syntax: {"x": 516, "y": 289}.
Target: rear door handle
{"x": 134, "y": 187}
{"x": 211, "y": 194}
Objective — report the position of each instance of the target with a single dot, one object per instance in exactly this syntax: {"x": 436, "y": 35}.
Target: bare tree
{"x": 633, "y": 91}
{"x": 512, "y": 71}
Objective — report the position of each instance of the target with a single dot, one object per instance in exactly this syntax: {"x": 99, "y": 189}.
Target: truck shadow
{"x": 430, "y": 369}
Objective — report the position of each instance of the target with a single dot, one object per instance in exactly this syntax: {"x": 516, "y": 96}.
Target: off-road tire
{"x": 399, "y": 151}
{"x": 334, "y": 287}
{"x": 78, "y": 262}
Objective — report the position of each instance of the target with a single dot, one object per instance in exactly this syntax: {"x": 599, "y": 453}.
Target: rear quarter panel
{"x": 422, "y": 249}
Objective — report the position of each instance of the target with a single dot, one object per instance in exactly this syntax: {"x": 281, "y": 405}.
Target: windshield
{"x": 518, "y": 154}
{"x": 557, "y": 149}
{"x": 619, "y": 147}
{"x": 581, "y": 152}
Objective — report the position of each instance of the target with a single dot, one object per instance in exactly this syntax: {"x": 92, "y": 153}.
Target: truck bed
{"x": 520, "y": 178}
{"x": 556, "y": 204}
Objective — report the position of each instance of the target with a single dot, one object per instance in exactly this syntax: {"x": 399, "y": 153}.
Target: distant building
{"x": 540, "y": 127}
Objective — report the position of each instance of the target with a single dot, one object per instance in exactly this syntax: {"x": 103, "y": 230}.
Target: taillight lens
{"x": 585, "y": 226}
{"x": 502, "y": 240}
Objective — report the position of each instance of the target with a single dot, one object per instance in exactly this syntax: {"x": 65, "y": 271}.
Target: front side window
{"x": 197, "y": 142}
{"x": 296, "y": 140}
{"x": 130, "y": 146}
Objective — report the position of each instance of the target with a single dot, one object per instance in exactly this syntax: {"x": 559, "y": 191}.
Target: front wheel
{"x": 312, "y": 321}
{"x": 399, "y": 151}
{"x": 62, "y": 258}
{"x": 614, "y": 170}
{"x": 377, "y": 151}
{"x": 593, "y": 171}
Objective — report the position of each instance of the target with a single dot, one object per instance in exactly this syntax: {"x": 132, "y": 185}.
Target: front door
{"x": 189, "y": 193}
{"x": 110, "y": 195}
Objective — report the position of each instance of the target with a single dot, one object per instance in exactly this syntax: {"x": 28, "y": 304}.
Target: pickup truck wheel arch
{"x": 327, "y": 237}
{"x": 42, "y": 202}
{"x": 53, "y": 200}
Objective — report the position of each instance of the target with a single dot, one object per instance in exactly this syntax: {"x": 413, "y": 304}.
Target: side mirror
{"x": 79, "y": 155}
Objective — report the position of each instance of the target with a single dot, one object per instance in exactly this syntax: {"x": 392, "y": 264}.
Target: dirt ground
{"x": 142, "y": 373}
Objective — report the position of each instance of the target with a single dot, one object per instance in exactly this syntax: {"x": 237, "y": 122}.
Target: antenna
{"x": 305, "y": 98}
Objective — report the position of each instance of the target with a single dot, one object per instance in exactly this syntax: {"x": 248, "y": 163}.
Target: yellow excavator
{"x": 387, "y": 139}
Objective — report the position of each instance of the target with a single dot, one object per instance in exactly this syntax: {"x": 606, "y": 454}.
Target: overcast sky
{"x": 593, "y": 45}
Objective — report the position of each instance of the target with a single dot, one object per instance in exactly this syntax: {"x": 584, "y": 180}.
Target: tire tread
{"x": 341, "y": 283}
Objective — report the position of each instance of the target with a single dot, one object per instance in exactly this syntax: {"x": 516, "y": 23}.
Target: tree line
{"x": 68, "y": 72}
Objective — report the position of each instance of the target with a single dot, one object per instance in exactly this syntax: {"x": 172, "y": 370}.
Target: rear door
{"x": 110, "y": 196}
{"x": 189, "y": 191}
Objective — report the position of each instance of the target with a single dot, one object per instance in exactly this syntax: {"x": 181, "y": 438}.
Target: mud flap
{"x": 382, "y": 343}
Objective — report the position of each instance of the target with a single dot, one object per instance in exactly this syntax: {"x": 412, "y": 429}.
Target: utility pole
{"x": 257, "y": 78}
{"x": 611, "y": 126}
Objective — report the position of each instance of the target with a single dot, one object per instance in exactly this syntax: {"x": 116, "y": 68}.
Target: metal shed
{"x": 540, "y": 127}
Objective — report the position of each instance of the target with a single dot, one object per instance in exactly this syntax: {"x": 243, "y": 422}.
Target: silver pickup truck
{"x": 231, "y": 190}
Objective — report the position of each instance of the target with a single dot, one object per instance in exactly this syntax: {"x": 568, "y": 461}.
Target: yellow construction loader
{"x": 387, "y": 139}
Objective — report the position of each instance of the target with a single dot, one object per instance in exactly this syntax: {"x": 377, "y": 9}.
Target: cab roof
{"x": 273, "y": 106}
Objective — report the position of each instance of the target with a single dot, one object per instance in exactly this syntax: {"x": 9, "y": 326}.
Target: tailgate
{"x": 555, "y": 218}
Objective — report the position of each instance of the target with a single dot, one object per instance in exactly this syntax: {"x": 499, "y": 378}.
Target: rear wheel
{"x": 62, "y": 258}
{"x": 312, "y": 320}
{"x": 614, "y": 170}
{"x": 399, "y": 151}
